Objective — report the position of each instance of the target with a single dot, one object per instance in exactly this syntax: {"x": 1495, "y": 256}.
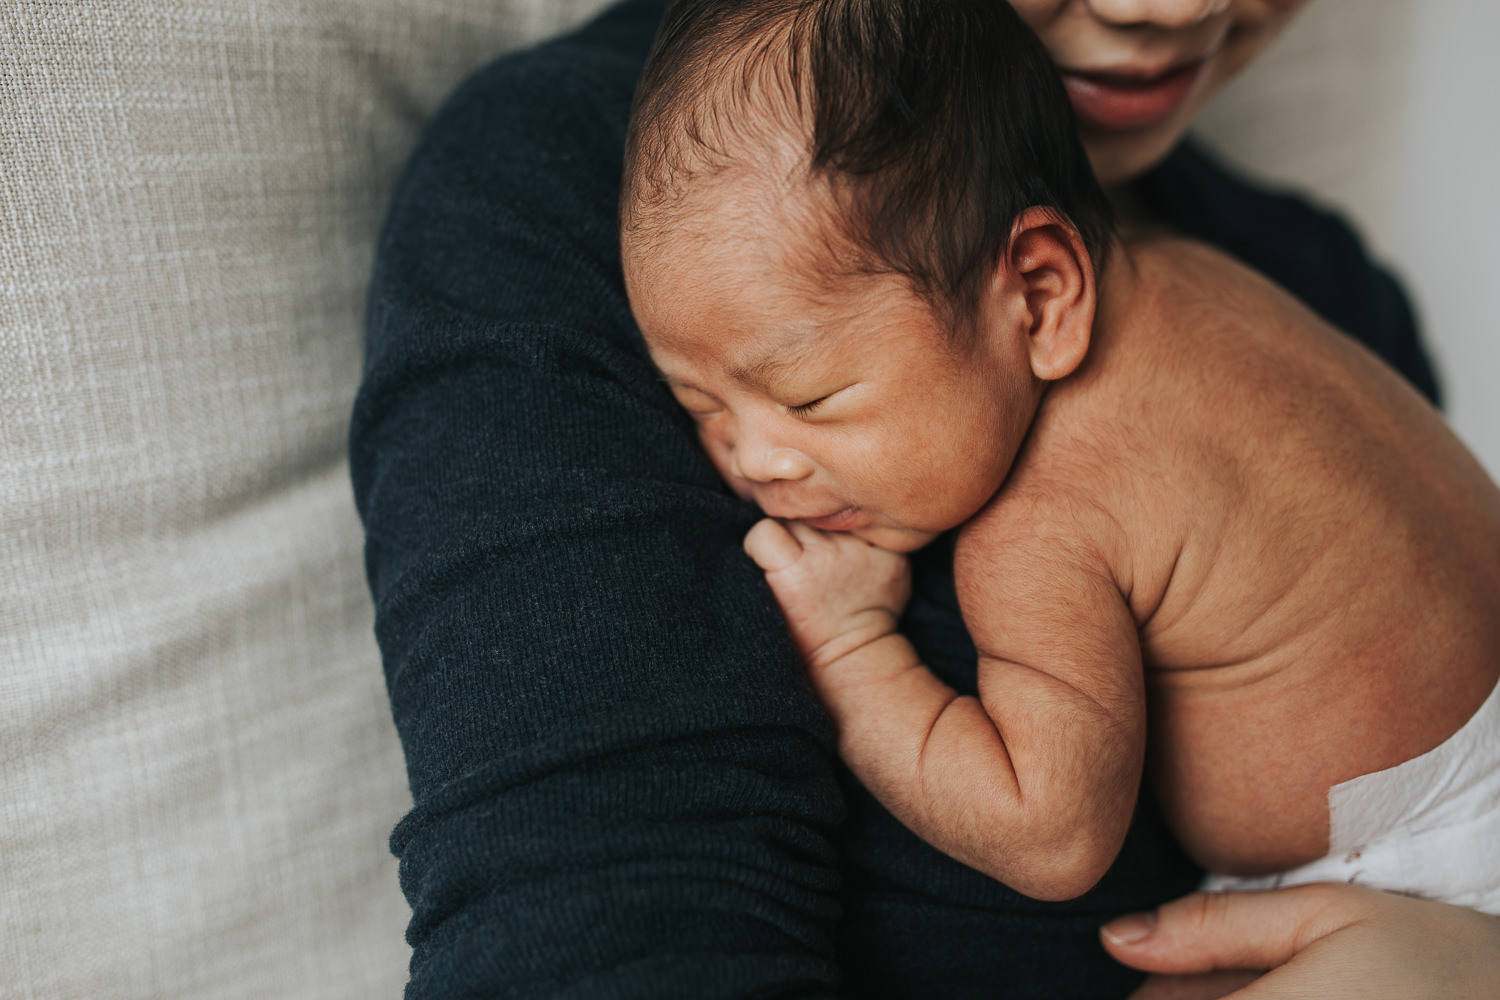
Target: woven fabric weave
{"x": 198, "y": 772}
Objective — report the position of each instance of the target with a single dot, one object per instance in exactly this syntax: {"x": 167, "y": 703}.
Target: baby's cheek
{"x": 719, "y": 455}
{"x": 741, "y": 488}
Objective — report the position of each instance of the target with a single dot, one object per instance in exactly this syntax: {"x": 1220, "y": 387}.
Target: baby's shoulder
{"x": 1168, "y": 254}
{"x": 1048, "y": 517}
{"x": 1206, "y": 334}
{"x": 1195, "y": 288}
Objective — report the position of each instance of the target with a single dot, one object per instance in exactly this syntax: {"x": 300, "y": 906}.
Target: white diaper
{"x": 1429, "y": 827}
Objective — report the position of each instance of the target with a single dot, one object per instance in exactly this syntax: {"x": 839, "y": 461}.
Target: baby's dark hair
{"x": 935, "y": 123}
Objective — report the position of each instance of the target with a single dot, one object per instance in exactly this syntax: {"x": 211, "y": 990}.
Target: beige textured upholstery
{"x": 198, "y": 771}
{"x": 1327, "y": 109}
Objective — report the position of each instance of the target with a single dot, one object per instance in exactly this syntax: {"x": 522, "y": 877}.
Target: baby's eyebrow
{"x": 763, "y": 369}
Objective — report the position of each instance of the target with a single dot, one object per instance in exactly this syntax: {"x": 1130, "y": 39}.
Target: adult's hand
{"x": 1318, "y": 941}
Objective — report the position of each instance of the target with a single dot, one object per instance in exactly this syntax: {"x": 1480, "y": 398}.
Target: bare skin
{"x": 1255, "y": 589}
{"x": 1300, "y": 604}
{"x": 1309, "y": 555}
{"x": 1332, "y": 941}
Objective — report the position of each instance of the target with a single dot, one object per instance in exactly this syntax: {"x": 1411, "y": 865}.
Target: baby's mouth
{"x": 845, "y": 520}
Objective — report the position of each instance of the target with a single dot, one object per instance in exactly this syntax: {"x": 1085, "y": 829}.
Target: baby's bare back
{"x": 1311, "y": 556}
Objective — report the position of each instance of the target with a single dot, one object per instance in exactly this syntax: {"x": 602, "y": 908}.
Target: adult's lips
{"x": 1120, "y": 101}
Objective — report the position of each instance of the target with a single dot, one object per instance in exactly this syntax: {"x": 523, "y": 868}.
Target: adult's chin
{"x": 1119, "y": 157}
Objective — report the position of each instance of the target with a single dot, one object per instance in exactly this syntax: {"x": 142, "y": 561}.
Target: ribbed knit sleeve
{"x": 622, "y": 784}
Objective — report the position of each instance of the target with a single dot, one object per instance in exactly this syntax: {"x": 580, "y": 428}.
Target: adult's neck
{"x": 1133, "y": 214}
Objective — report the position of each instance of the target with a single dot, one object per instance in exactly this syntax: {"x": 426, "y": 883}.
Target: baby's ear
{"x": 1047, "y": 262}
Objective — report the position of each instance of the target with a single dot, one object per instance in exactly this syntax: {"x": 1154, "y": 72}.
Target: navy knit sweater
{"x": 623, "y": 785}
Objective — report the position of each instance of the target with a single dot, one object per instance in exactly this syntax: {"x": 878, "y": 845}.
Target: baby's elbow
{"x": 1066, "y": 874}
{"x": 1058, "y": 865}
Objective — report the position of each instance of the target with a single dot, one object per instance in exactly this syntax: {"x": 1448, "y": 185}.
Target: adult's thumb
{"x": 1208, "y": 931}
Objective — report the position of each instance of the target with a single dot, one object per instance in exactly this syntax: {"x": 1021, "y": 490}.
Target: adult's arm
{"x": 623, "y": 785}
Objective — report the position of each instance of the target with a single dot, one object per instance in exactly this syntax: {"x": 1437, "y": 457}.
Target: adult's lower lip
{"x": 1122, "y": 102}
{"x": 845, "y": 520}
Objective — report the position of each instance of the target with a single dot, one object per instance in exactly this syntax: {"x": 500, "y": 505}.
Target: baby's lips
{"x": 844, "y": 520}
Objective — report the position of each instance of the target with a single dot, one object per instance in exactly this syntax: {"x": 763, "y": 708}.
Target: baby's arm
{"x": 1033, "y": 783}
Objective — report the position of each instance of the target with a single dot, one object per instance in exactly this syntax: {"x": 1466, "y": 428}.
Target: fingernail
{"x": 1130, "y": 929}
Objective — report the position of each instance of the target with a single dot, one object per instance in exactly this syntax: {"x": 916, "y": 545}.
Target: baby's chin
{"x": 891, "y": 539}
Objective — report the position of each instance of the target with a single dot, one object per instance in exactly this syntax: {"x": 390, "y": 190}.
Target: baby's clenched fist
{"x": 837, "y": 592}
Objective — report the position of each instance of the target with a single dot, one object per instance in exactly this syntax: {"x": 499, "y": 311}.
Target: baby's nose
{"x": 761, "y": 461}
{"x": 1162, "y": 13}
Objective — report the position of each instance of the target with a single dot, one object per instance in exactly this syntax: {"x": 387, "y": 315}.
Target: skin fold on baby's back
{"x": 1311, "y": 556}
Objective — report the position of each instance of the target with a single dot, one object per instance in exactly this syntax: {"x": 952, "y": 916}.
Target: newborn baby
{"x": 866, "y": 252}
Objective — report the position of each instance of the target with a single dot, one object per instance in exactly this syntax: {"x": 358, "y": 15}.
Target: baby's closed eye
{"x": 803, "y": 409}
{"x": 814, "y": 401}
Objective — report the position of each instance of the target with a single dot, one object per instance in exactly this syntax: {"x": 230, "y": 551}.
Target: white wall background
{"x": 1390, "y": 111}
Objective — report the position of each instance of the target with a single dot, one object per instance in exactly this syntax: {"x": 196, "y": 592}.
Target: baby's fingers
{"x": 772, "y": 546}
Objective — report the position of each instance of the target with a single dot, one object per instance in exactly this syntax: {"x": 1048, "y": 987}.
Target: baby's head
{"x": 858, "y": 235}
